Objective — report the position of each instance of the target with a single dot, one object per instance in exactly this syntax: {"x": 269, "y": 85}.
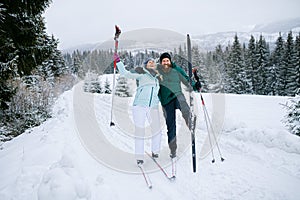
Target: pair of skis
{"x": 146, "y": 176}
{"x": 192, "y": 126}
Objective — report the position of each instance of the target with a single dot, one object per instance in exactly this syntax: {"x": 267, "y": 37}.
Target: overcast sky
{"x": 76, "y": 22}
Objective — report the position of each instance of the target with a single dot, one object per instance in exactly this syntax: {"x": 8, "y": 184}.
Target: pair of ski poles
{"x": 208, "y": 124}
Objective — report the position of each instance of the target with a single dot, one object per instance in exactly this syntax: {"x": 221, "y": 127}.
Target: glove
{"x": 116, "y": 57}
{"x": 198, "y": 85}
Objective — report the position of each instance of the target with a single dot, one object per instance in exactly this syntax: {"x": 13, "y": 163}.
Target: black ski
{"x": 192, "y": 119}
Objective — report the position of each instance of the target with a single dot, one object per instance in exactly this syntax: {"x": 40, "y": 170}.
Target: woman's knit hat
{"x": 147, "y": 60}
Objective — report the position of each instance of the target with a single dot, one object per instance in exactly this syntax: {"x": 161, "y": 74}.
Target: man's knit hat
{"x": 164, "y": 55}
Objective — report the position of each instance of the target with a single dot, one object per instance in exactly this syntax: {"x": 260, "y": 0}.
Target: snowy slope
{"x": 77, "y": 155}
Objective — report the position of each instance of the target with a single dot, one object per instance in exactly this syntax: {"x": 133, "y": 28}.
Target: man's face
{"x": 166, "y": 63}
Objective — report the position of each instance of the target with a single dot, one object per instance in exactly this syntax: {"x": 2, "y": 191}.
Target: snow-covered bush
{"x": 292, "y": 119}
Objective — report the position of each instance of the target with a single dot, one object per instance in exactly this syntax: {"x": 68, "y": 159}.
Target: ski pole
{"x": 208, "y": 122}
{"x": 116, "y": 38}
{"x": 208, "y": 130}
{"x": 211, "y": 127}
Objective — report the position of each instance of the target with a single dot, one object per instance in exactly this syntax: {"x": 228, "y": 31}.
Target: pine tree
{"x": 198, "y": 62}
{"x": 20, "y": 25}
{"x": 23, "y": 25}
{"x": 92, "y": 83}
{"x": 181, "y": 58}
{"x": 54, "y": 66}
{"x": 122, "y": 88}
{"x": 262, "y": 66}
{"x": 220, "y": 64}
{"x": 251, "y": 65}
{"x": 235, "y": 71}
{"x": 227, "y": 84}
{"x": 277, "y": 62}
{"x": 77, "y": 64}
{"x": 29, "y": 61}
{"x": 107, "y": 89}
{"x": 297, "y": 54}
{"x": 96, "y": 86}
{"x": 211, "y": 73}
{"x": 290, "y": 63}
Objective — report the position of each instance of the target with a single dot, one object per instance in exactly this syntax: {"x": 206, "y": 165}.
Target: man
{"x": 172, "y": 98}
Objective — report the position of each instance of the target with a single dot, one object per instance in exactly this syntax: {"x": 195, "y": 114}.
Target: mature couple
{"x": 162, "y": 83}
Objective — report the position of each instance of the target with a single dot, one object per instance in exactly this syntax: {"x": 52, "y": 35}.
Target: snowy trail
{"x": 64, "y": 158}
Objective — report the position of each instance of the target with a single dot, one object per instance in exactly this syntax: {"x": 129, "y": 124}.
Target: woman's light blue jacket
{"x": 148, "y": 87}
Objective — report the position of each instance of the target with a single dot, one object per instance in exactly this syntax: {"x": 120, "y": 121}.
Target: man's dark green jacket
{"x": 170, "y": 85}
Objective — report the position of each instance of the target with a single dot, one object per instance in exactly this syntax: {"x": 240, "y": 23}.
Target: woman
{"x": 145, "y": 105}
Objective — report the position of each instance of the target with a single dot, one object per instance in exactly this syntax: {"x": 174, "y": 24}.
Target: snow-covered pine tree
{"x": 277, "y": 57}
{"x": 220, "y": 64}
{"x": 210, "y": 74}
{"x": 129, "y": 60}
{"x": 251, "y": 65}
{"x": 122, "y": 88}
{"x": 198, "y": 61}
{"x": 235, "y": 69}
{"x": 96, "y": 86}
{"x": 20, "y": 25}
{"x": 290, "y": 63}
{"x": 262, "y": 66}
{"x": 107, "y": 89}
{"x": 297, "y": 52}
{"x": 76, "y": 66}
{"x": 181, "y": 59}
{"x": 227, "y": 85}
{"x": 92, "y": 83}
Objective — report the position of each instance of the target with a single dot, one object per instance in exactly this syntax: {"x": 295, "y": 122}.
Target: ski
{"x": 171, "y": 178}
{"x": 146, "y": 177}
{"x": 192, "y": 120}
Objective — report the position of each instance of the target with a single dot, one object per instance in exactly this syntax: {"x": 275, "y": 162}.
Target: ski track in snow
{"x": 262, "y": 160}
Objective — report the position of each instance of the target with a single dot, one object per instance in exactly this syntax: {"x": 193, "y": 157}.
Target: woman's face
{"x": 151, "y": 64}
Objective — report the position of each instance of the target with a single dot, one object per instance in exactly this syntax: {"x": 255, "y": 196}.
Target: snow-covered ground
{"x": 77, "y": 155}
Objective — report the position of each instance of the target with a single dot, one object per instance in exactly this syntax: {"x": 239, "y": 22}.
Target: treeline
{"x": 250, "y": 69}
{"x": 101, "y": 61}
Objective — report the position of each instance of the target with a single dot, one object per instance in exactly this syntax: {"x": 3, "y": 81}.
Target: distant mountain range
{"x": 166, "y": 40}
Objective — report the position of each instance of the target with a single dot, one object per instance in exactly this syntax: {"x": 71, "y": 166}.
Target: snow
{"x": 77, "y": 155}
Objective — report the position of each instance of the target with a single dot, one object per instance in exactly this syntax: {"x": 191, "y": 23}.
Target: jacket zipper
{"x": 151, "y": 97}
